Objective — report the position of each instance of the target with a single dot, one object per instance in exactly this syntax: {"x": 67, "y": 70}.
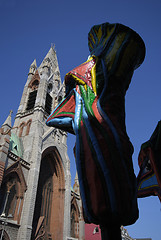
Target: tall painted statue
{"x": 94, "y": 110}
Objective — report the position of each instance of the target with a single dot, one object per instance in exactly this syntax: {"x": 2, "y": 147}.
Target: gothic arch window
{"x": 49, "y": 207}
{"x": 9, "y": 196}
{"x": 48, "y": 103}
{"x": 21, "y": 127}
{"x": 28, "y": 125}
{"x": 12, "y": 191}
{"x": 72, "y": 223}
{"x": 44, "y": 195}
{"x": 74, "y": 216}
{"x": 31, "y": 100}
{"x": 46, "y": 200}
{"x": 35, "y": 84}
{"x": 50, "y": 87}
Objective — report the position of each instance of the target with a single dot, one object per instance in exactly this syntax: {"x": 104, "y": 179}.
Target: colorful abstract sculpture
{"x": 149, "y": 177}
{"x": 94, "y": 110}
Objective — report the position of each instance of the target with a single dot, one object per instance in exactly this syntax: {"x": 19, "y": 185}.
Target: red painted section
{"x": 90, "y": 234}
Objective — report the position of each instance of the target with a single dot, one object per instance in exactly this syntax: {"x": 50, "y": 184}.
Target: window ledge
{"x": 9, "y": 222}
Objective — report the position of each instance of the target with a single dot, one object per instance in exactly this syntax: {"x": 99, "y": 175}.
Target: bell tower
{"x": 46, "y": 201}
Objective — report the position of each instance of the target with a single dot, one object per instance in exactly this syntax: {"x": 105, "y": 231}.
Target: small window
{"x": 35, "y": 85}
{"x": 96, "y": 230}
{"x": 50, "y": 87}
{"x": 31, "y": 100}
{"x": 48, "y": 103}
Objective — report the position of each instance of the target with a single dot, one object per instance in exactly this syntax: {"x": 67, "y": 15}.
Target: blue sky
{"x": 29, "y": 27}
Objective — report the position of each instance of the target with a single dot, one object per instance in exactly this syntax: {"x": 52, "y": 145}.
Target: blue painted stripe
{"x": 149, "y": 183}
{"x": 61, "y": 121}
{"x": 104, "y": 115}
{"x": 101, "y": 161}
{"x": 110, "y": 124}
{"x": 78, "y": 100}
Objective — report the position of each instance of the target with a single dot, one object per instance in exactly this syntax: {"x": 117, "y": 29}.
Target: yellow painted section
{"x": 109, "y": 32}
{"x": 93, "y": 78}
{"x": 112, "y": 54}
{"x": 130, "y": 51}
{"x": 79, "y": 81}
{"x": 92, "y": 38}
{"x": 155, "y": 185}
{"x": 99, "y": 34}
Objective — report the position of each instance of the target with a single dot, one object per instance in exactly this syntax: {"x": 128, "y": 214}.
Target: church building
{"x": 36, "y": 199}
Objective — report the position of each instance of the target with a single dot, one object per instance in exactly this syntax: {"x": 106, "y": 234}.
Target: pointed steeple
{"x": 76, "y": 184}
{"x": 49, "y": 63}
{"x": 33, "y": 67}
{"x": 5, "y": 133}
{"x": 8, "y": 122}
{"x": 76, "y": 177}
{"x": 34, "y": 64}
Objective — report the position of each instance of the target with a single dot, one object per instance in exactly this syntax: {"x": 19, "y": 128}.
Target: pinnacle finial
{"x": 33, "y": 67}
{"x": 34, "y": 64}
{"x": 53, "y": 46}
{"x": 76, "y": 177}
{"x": 11, "y": 112}
{"x": 76, "y": 184}
{"x": 8, "y": 120}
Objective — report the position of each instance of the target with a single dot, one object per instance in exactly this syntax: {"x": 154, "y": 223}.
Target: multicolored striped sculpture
{"x": 149, "y": 177}
{"x": 94, "y": 110}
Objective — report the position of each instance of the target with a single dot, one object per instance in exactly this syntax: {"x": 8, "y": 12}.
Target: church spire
{"x": 5, "y": 134}
{"x": 8, "y": 122}
{"x": 33, "y": 67}
{"x": 76, "y": 184}
{"x": 49, "y": 63}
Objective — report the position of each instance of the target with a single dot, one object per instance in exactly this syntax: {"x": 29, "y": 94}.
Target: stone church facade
{"x": 36, "y": 199}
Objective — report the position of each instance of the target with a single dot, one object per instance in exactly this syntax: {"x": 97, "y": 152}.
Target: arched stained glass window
{"x": 44, "y": 196}
{"x": 74, "y": 215}
{"x": 9, "y": 197}
{"x": 46, "y": 199}
{"x": 49, "y": 205}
